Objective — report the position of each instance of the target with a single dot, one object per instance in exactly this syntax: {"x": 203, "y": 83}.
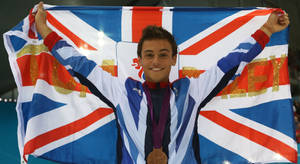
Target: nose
{"x": 155, "y": 61}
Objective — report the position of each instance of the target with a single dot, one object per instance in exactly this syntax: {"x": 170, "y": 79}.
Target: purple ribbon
{"x": 158, "y": 129}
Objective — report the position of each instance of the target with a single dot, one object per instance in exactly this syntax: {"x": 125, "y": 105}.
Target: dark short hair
{"x": 155, "y": 32}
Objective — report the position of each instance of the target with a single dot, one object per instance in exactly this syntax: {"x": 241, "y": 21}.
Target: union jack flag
{"x": 251, "y": 120}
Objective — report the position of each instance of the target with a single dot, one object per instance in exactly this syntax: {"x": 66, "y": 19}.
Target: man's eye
{"x": 163, "y": 55}
{"x": 148, "y": 55}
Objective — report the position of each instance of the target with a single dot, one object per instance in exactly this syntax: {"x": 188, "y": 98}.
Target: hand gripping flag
{"x": 251, "y": 120}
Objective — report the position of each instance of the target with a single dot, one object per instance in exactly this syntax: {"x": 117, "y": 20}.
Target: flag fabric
{"x": 250, "y": 120}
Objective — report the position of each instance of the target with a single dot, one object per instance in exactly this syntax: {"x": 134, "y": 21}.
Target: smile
{"x": 156, "y": 69}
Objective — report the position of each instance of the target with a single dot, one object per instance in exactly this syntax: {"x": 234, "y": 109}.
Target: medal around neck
{"x": 157, "y": 156}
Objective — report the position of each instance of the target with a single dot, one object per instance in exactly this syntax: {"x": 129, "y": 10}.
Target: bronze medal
{"x": 157, "y": 156}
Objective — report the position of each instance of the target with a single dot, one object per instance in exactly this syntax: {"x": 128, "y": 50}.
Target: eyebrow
{"x": 164, "y": 50}
{"x": 159, "y": 50}
{"x": 148, "y": 51}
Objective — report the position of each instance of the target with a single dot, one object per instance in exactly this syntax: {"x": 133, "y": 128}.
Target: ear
{"x": 174, "y": 59}
{"x": 139, "y": 60}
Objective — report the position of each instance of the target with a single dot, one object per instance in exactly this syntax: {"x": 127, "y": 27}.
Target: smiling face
{"x": 157, "y": 59}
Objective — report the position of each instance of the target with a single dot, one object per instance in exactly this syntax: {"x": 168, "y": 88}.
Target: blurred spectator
{"x": 294, "y": 71}
{"x": 296, "y": 107}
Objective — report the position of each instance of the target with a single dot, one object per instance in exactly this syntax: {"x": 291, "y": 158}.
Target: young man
{"x": 157, "y": 118}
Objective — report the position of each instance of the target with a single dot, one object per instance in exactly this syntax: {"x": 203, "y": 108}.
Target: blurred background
{"x": 13, "y": 11}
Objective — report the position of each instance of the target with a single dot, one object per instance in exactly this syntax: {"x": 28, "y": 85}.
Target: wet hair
{"x": 155, "y": 32}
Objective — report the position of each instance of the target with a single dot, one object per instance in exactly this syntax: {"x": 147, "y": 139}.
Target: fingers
{"x": 40, "y": 17}
{"x": 284, "y": 19}
{"x": 41, "y": 6}
{"x": 277, "y": 21}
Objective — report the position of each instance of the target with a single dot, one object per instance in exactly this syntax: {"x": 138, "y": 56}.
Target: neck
{"x": 154, "y": 85}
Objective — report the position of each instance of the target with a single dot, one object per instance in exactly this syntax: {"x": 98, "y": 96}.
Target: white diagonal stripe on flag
{"x": 75, "y": 136}
{"x": 62, "y": 115}
{"x": 105, "y": 46}
{"x": 89, "y": 35}
{"x": 259, "y": 127}
{"x": 211, "y": 29}
{"x": 212, "y": 54}
{"x": 236, "y": 143}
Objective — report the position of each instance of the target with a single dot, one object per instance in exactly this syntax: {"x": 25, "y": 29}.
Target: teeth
{"x": 156, "y": 69}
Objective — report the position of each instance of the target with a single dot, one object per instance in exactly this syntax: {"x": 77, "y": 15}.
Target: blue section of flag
{"x": 187, "y": 23}
{"x": 17, "y": 42}
{"x": 39, "y": 105}
{"x": 279, "y": 38}
{"x": 212, "y": 153}
{"x": 275, "y": 114}
{"x": 18, "y": 27}
{"x": 97, "y": 147}
{"x": 107, "y": 21}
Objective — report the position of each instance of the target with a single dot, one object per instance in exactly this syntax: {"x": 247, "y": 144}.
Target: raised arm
{"x": 40, "y": 21}
{"x": 210, "y": 83}
{"x": 90, "y": 74}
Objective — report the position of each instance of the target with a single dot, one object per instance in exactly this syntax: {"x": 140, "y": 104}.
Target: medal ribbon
{"x": 158, "y": 129}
